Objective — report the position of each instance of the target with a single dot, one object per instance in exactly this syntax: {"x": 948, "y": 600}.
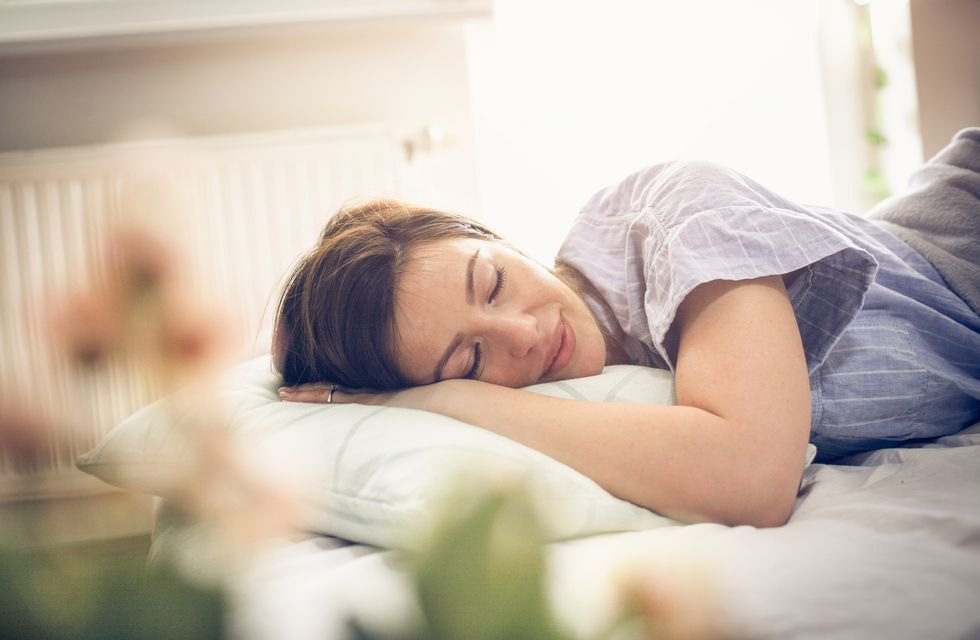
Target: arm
{"x": 732, "y": 449}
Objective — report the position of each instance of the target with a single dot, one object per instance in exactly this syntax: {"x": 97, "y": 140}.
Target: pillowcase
{"x": 374, "y": 474}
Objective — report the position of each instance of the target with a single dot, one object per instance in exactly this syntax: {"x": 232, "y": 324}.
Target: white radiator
{"x": 256, "y": 202}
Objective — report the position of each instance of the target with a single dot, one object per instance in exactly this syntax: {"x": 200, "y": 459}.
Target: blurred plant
{"x": 480, "y": 574}
{"x": 94, "y": 595}
{"x": 138, "y": 306}
{"x": 137, "y": 310}
{"x": 874, "y": 182}
{"x": 489, "y": 554}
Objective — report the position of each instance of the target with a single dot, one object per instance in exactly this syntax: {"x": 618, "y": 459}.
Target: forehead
{"x": 439, "y": 254}
{"x": 434, "y": 270}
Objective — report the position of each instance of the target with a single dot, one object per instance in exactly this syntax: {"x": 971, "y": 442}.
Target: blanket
{"x": 940, "y": 216}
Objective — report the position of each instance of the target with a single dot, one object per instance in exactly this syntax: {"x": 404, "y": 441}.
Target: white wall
{"x": 408, "y": 74}
{"x": 569, "y": 96}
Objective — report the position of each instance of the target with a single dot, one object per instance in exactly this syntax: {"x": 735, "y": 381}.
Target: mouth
{"x": 564, "y": 347}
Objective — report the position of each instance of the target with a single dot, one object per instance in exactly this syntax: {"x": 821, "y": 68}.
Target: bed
{"x": 884, "y": 544}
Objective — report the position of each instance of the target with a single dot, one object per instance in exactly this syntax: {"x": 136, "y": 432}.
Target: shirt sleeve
{"x": 695, "y": 222}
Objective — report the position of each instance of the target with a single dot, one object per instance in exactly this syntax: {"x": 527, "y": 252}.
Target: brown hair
{"x": 335, "y": 320}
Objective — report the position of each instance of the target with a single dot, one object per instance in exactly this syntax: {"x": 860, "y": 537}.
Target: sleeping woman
{"x": 782, "y": 324}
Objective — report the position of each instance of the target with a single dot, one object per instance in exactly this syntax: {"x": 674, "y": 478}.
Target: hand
{"x": 319, "y": 392}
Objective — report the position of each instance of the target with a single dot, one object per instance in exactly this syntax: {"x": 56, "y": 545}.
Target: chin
{"x": 587, "y": 365}
{"x": 591, "y": 370}
{"x": 593, "y": 359}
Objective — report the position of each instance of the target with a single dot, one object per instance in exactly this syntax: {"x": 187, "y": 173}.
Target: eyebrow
{"x": 470, "y": 299}
{"x": 470, "y": 288}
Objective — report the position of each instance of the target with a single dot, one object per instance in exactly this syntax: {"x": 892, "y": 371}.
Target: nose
{"x": 516, "y": 332}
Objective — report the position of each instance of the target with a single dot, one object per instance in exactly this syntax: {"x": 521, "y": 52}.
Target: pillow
{"x": 372, "y": 474}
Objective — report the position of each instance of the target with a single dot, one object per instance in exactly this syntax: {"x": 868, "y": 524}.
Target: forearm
{"x": 731, "y": 451}
{"x": 681, "y": 461}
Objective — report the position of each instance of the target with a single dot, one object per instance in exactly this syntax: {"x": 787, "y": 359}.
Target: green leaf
{"x": 876, "y": 185}
{"x": 480, "y": 574}
{"x": 880, "y": 77}
{"x": 875, "y": 137}
{"x": 93, "y": 595}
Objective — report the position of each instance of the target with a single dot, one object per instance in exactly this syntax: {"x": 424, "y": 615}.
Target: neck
{"x": 583, "y": 287}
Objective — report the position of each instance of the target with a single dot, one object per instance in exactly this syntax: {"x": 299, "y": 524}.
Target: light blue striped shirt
{"x": 893, "y": 354}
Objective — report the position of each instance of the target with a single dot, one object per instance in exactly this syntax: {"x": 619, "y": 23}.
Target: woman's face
{"x": 469, "y": 308}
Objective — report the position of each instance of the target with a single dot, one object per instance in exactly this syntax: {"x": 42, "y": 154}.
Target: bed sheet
{"x": 885, "y": 546}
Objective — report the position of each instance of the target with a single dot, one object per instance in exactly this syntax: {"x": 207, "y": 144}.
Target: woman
{"x": 782, "y": 324}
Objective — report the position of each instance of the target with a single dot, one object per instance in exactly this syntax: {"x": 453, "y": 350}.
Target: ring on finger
{"x": 333, "y": 388}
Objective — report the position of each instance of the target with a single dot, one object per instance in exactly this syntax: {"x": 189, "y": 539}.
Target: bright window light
{"x": 570, "y": 96}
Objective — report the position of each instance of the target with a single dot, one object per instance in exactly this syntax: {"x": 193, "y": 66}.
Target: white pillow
{"x": 373, "y": 474}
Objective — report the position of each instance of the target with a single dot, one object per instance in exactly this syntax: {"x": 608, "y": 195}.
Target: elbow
{"x": 757, "y": 495}
{"x": 769, "y": 505}
{"x": 747, "y": 506}
{"x": 765, "y": 496}
{"x": 774, "y": 515}
{"x": 762, "y": 517}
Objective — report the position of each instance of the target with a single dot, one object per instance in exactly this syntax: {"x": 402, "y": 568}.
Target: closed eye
{"x": 474, "y": 371}
{"x": 498, "y": 286}
{"x": 501, "y": 280}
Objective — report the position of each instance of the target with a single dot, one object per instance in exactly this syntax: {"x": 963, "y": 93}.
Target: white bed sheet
{"x": 888, "y": 546}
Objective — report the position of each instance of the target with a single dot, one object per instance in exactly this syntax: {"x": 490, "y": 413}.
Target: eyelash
{"x": 477, "y": 350}
{"x": 477, "y": 361}
{"x": 501, "y": 279}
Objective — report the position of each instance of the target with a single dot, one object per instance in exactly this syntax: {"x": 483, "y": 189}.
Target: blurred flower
{"x": 141, "y": 307}
{"x": 25, "y": 436}
{"x": 89, "y": 326}
{"x": 145, "y": 261}
{"x": 139, "y": 304}
{"x": 195, "y": 342}
{"x": 673, "y": 598}
{"x": 137, "y": 315}
{"x": 237, "y": 509}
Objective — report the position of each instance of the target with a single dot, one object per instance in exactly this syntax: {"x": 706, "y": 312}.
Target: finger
{"x": 315, "y": 386}
{"x": 309, "y": 386}
{"x": 318, "y": 393}
{"x": 305, "y": 395}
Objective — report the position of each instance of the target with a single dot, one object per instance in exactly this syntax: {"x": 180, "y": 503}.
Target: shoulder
{"x": 680, "y": 186}
{"x": 652, "y": 206}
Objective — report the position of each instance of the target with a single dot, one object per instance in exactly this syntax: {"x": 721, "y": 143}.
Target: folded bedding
{"x": 375, "y": 474}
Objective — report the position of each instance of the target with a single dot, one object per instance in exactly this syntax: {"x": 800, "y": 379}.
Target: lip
{"x": 565, "y": 347}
